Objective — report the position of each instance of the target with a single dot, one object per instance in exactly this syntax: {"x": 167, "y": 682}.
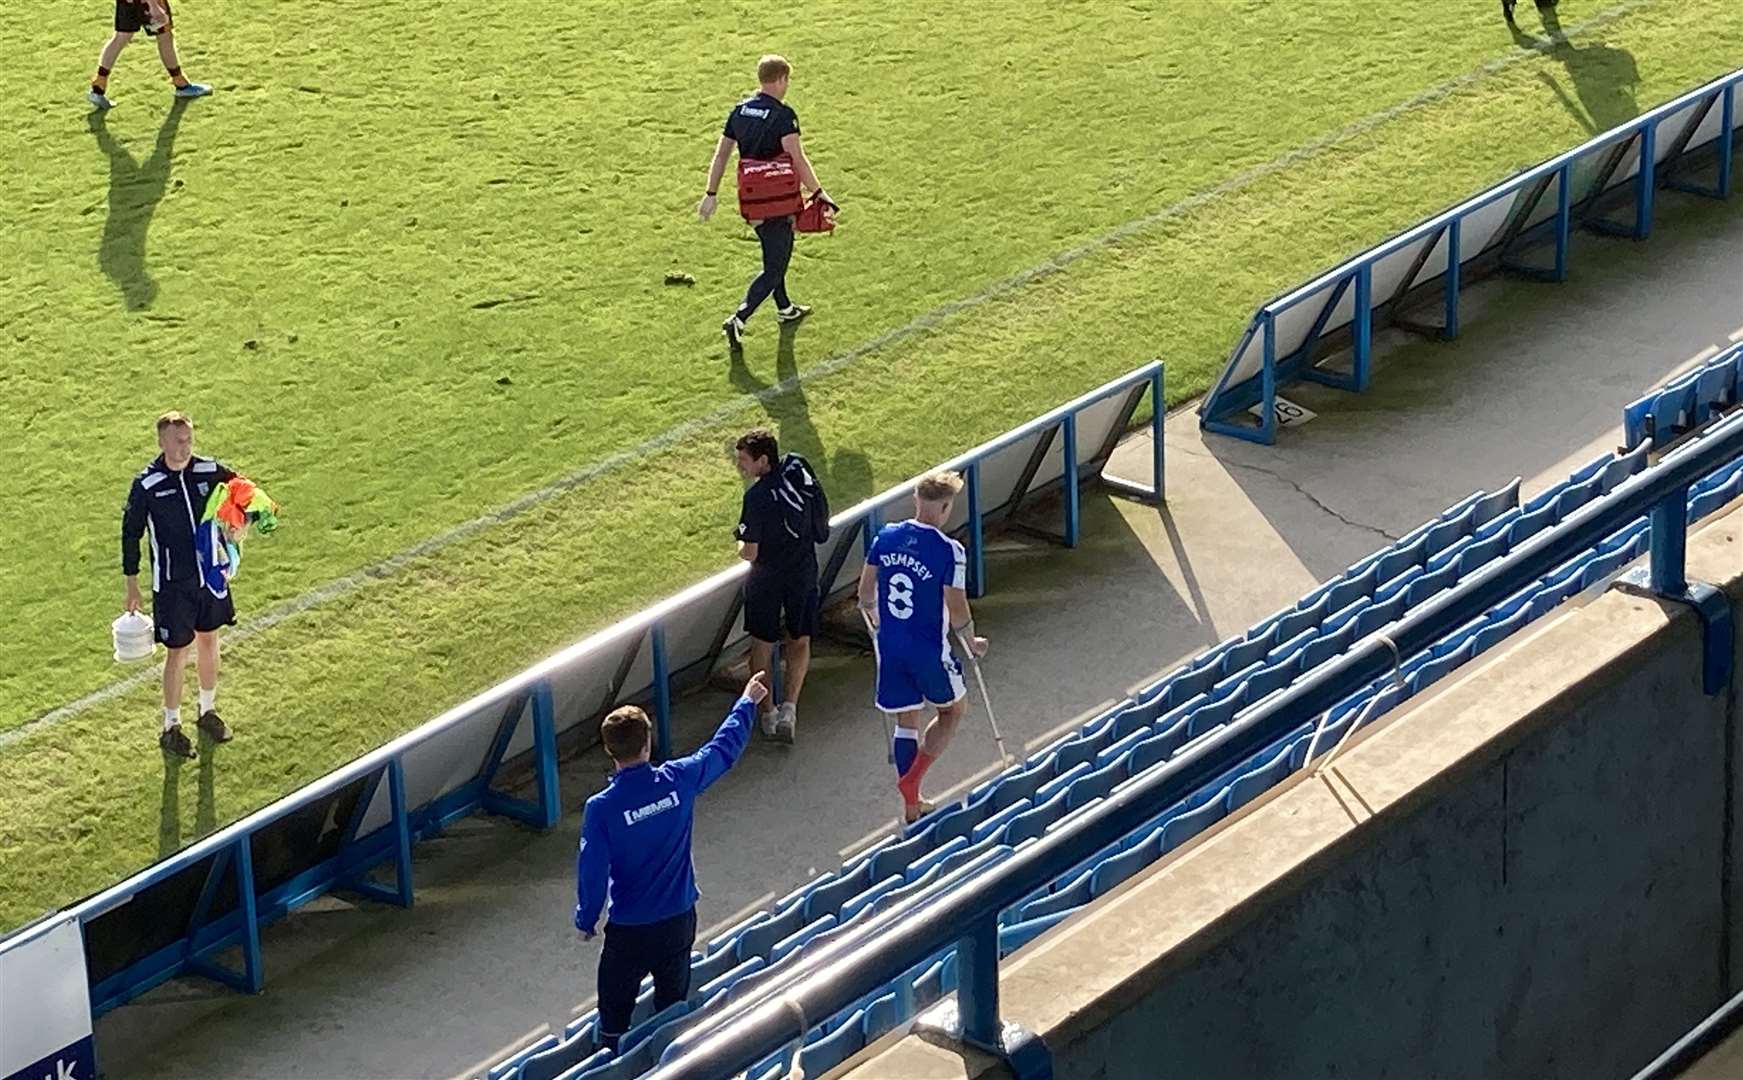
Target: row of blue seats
{"x": 1159, "y": 721}
{"x": 1685, "y": 403}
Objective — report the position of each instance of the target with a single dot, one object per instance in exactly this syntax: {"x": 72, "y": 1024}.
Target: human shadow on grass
{"x": 1604, "y": 78}
{"x": 135, "y": 189}
{"x": 169, "y": 817}
{"x": 846, "y": 474}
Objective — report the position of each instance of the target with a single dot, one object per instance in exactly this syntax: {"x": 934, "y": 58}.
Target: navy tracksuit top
{"x": 635, "y": 835}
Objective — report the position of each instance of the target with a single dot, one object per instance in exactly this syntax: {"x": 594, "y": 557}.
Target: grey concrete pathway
{"x": 487, "y": 959}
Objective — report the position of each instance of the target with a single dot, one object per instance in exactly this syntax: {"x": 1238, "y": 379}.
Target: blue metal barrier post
{"x": 1158, "y": 419}
{"x": 1362, "y": 327}
{"x": 1727, "y": 137}
{"x": 1563, "y": 219}
{"x": 545, "y": 756}
{"x": 1451, "y": 329}
{"x": 662, "y": 693}
{"x": 1646, "y": 180}
{"x": 1666, "y": 577}
{"x": 976, "y": 1019}
{"x": 402, "y": 849}
{"x": 1670, "y": 533}
{"x": 1268, "y": 383}
{"x": 976, "y": 545}
{"x": 1069, "y": 427}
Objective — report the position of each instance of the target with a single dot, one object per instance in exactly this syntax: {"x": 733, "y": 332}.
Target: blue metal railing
{"x": 962, "y": 910}
{"x": 229, "y": 854}
{"x": 1240, "y": 388}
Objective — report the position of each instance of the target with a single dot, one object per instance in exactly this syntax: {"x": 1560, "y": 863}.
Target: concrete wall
{"x": 1525, "y": 874}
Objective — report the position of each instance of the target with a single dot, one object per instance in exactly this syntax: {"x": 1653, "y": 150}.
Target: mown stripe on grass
{"x": 385, "y": 568}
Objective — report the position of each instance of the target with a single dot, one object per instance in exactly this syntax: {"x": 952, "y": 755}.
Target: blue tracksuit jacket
{"x": 635, "y": 835}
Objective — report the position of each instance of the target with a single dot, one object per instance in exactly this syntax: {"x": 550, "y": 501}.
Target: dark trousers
{"x": 776, "y": 235}
{"x": 631, "y": 953}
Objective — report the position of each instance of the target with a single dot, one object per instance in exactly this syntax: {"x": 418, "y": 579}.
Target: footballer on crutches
{"x": 913, "y": 593}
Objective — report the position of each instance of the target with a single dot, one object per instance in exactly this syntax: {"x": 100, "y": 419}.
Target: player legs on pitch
{"x": 155, "y": 18}
{"x": 913, "y": 593}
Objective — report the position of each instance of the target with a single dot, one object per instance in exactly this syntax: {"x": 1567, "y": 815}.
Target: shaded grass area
{"x": 454, "y": 303}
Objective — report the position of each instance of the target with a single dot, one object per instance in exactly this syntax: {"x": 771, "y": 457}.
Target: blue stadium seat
{"x": 1480, "y": 553}
{"x": 1185, "y": 826}
{"x": 1494, "y": 504}
{"x": 1637, "y": 423}
{"x": 1437, "y": 667}
{"x": 1021, "y": 786}
{"x": 728, "y": 979}
{"x": 1061, "y": 899}
{"x": 758, "y": 938}
{"x": 510, "y": 1066}
{"x": 1429, "y": 584}
{"x": 960, "y": 821}
{"x": 1328, "y": 645}
{"x": 706, "y": 968}
{"x": 1261, "y": 779}
{"x": 894, "y": 860}
{"x": 1443, "y": 535}
{"x": 1082, "y": 748}
{"x": 1118, "y": 868}
{"x": 1333, "y": 731}
{"x": 583, "y": 1025}
{"x": 1211, "y": 715}
{"x": 918, "y": 868}
{"x": 1018, "y": 934}
{"x": 1672, "y": 410}
{"x": 788, "y": 945}
{"x": 1160, "y": 746}
{"x": 625, "y": 1066}
{"x": 831, "y": 1050}
{"x": 1495, "y": 630}
{"x": 1135, "y": 717}
{"x": 1529, "y": 524}
{"x": 1231, "y": 683}
{"x": 1622, "y": 468}
{"x": 1273, "y": 677}
{"x": 1499, "y": 526}
{"x": 1244, "y": 654}
{"x": 1294, "y": 622}
{"x": 1032, "y": 823}
{"x": 1192, "y": 683}
{"x": 995, "y": 825}
{"x": 641, "y": 1033}
{"x": 1062, "y": 781}
{"x": 1341, "y": 619}
{"x": 1349, "y": 590}
{"x": 1397, "y": 559}
{"x": 1291, "y": 648}
{"x": 1097, "y": 784}
{"x": 593, "y": 1066}
{"x": 1397, "y": 584}
{"x": 1449, "y": 554}
{"x": 880, "y": 1016}
{"x": 1599, "y": 569}
{"x": 727, "y": 938}
{"x": 1576, "y": 496}
{"x": 1120, "y": 749}
{"x": 827, "y": 899}
{"x": 1374, "y": 616}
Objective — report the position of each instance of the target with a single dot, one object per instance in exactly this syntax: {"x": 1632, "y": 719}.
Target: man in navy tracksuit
{"x": 165, "y": 504}
{"x": 635, "y": 843}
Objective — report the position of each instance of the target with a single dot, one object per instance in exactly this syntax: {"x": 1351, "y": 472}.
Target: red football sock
{"x": 909, "y": 784}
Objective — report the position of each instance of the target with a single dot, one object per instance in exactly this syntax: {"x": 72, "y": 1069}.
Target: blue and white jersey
{"x": 915, "y": 564}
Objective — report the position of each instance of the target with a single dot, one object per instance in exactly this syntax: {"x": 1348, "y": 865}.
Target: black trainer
{"x": 214, "y": 726}
{"x": 174, "y": 741}
{"x": 733, "y": 328}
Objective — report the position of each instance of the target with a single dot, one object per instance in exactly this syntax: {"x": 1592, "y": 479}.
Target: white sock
{"x": 171, "y": 717}
{"x": 207, "y": 697}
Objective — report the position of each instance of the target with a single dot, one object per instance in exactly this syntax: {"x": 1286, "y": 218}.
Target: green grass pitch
{"x": 406, "y": 265}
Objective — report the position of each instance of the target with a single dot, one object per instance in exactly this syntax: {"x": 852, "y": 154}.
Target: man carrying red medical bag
{"x": 772, "y": 175}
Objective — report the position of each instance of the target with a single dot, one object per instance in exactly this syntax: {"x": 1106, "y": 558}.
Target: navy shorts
{"x": 774, "y": 602}
{"x": 181, "y": 608}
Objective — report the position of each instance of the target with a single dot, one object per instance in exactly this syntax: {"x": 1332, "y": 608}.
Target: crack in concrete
{"x": 1291, "y": 482}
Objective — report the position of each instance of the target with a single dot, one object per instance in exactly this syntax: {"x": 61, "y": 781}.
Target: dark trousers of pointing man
{"x": 635, "y": 845}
